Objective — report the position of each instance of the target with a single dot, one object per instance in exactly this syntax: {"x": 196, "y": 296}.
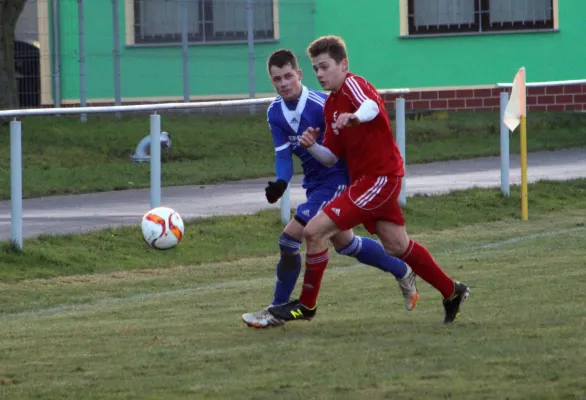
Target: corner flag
{"x": 515, "y": 115}
{"x": 516, "y": 108}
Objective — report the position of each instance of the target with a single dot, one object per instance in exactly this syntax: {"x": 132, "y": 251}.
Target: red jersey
{"x": 369, "y": 148}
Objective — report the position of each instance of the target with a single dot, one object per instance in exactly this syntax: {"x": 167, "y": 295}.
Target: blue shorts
{"x": 316, "y": 200}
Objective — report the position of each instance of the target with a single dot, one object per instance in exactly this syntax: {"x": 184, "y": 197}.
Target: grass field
{"x": 175, "y": 333}
{"x": 62, "y": 155}
{"x": 124, "y": 322}
{"x": 231, "y": 238}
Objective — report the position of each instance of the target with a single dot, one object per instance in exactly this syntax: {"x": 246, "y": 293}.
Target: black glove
{"x": 275, "y": 190}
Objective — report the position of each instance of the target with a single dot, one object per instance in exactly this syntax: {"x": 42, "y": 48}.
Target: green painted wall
{"x": 157, "y": 71}
{"x": 377, "y": 52}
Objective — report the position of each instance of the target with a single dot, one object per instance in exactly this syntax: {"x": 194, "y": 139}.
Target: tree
{"x": 10, "y": 10}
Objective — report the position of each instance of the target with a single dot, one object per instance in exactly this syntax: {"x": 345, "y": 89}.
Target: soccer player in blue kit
{"x": 295, "y": 109}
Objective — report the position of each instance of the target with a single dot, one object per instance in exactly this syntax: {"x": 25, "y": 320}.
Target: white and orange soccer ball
{"x": 162, "y": 228}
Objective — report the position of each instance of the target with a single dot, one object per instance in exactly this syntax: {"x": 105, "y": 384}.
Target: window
{"x": 461, "y": 16}
{"x": 159, "y": 21}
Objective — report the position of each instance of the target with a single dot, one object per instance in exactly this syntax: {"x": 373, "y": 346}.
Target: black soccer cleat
{"x": 293, "y": 311}
{"x": 453, "y": 304}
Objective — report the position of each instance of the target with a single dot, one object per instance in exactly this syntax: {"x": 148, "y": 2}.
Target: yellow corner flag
{"x": 515, "y": 115}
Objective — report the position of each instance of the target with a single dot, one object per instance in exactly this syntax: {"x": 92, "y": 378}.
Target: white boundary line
{"x": 96, "y": 306}
{"x": 520, "y": 239}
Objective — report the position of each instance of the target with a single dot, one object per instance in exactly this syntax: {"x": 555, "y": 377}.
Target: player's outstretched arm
{"x": 274, "y": 191}
{"x": 347, "y": 119}
{"x": 308, "y": 137}
{"x": 284, "y": 168}
{"x": 319, "y": 152}
{"x": 365, "y": 97}
{"x": 283, "y": 162}
{"x": 367, "y": 111}
{"x": 284, "y": 173}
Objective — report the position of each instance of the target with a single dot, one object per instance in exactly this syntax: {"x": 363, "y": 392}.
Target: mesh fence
{"x": 96, "y": 52}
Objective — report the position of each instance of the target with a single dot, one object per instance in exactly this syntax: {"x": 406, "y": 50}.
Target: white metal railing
{"x": 504, "y": 130}
{"x": 155, "y": 133}
{"x": 545, "y": 84}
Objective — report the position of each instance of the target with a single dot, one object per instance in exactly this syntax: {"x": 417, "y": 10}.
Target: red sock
{"x": 315, "y": 266}
{"x": 423, "y": 264}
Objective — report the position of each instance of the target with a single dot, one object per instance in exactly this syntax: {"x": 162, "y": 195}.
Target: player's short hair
{"x": 280, "y": 58}
{"x": 334, "y": 46}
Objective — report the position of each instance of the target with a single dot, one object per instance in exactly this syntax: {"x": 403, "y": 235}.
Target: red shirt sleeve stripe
{"x": 356, "y": 90}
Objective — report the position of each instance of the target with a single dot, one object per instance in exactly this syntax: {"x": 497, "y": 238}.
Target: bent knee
{"x": 314, "y": 232}
{"x": 311, "y": 234}
{"x": 320, "y": 228}
{"x": 396, "y": 246}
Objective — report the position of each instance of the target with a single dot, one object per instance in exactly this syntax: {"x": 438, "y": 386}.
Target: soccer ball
{"x": 162, "y": 228}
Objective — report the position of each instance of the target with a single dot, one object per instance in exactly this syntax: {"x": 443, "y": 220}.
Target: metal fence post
{"x": 185, "y": 50}
{"x": 81, "y": 34}
{"x": 401, "y": 143}
{"x": 505, "y": 171}
{"x": 116, "y": 54}
{"x": 155, "y": 160}
{"x": 56, "y": 54}
{"x": 250, "y": 24}
{"x": 16, "y": 184}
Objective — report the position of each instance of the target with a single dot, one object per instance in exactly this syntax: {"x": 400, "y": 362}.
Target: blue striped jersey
{"x": 288, "y": 120}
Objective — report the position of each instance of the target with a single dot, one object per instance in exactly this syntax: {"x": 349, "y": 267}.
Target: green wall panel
{"x": 376, "y": 50}
{"x": 156, "y": 71}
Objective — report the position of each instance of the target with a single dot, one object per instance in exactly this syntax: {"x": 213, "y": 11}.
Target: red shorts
{"x": 366, "y": 201}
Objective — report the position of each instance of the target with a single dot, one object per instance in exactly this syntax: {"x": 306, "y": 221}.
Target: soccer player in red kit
{"x": 359, "y": 131}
